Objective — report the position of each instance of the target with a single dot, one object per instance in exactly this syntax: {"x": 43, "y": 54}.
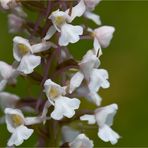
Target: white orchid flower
{"x": 63, "y": 106}
{"x": 8, "y": 100}
{"x": 23, "y": 52}
{"x": 102, "y": 38}
{"x": 88, "y": 63}
{"x": 7, "y": 75}
{"x": 81, "y": 141}
{"x": 104, "y": 118}
{"x": 90, "y": 6}
{"x": 16, "y": 124}
{"x": 96, "y": 78}
{"x": 69, "y": 33}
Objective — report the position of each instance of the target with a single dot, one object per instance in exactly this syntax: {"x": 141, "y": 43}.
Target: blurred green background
{"x": 126, "y": 60}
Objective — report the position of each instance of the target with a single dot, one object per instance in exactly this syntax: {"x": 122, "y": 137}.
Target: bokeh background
{"x": 126, "y": 59}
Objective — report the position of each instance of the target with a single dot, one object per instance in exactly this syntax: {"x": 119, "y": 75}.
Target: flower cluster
{"x": 63, "y": 80}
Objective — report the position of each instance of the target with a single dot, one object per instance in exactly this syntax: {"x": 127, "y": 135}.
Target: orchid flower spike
{"x": 63, "y": 106}
{"x": 16, "y": 124}
{"x": 68, "y": 33}
{"x": 104, "y": 118}
{"x": 7, "y": 75}
{"x": 23, "y": 52}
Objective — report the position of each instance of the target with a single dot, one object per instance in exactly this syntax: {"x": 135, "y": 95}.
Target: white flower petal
{"x": 69, "y": 134}
{"x": 94, "y": 97}
{"x": 3, "y": 84}
{"x": 70, "y": 34}
{"x": 90, "y": 118}
{"x": 98, "y": 78}
{"x": 8, "y": 99}
{"x": 21, "y": 133}
{"x": 94, "y": 17}
{"x": 50, "y": 33}
{"x": 33, "y": 120}
{"x": 28, "y": 63}
{"x": 65, "y": 107}
{"x": 107, "y": 134}
{"x": 105, "y": 115}
{"x": 4, "y": 3}
{"x": 77, "y": 10}
{"x": 81, "y": 141}
{"x": 6, "y": 70}
{"x": 16, "y": 49}
{"x": 75, "y": 81}
{"x": 104, "y": 35}
{"x": 40, "y": 47}
{"x": 88, "y": 63}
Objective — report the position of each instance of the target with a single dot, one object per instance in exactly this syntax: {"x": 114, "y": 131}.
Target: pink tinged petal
{"x": 50, "y": 33}
{"x": 81, "y": 141}
{"x": 104, "y": 35}
{"x": 77, "y": 11}
{"x": 108, "y": 135}
{"x": 70, "y": 34}
{"x": 65, "y": 107}
{"x": 98, "y": 78}
{"x": 75, "y": 81}
{"x": 90, "y": 118}
{"x": 94, "y": 17}
{"x": 28, "y": 63}
{"x": 4, "y": 3}
{"x": 105, "y": 115}
{"x": 20, "y": 134}
{"x": 91, "y": 4}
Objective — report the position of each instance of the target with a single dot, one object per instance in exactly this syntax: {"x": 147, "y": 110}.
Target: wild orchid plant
{"x": 64, "y": 79}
